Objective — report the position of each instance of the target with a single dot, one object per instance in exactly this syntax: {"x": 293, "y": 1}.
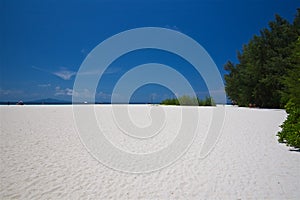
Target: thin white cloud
{"x": 4, "y": 92}
{"x": 91, "y": 72}
{"x": 103, "y": 95}
{"x": 98, "y": 71}
{"x": 64, "y": 92}
{"x": 65, "y": 74}
{"x": 83, "y": 95}
{"x": 44, "y": 85}
{"x": 40, "y": 69}
{"x": 173, "y": 27}
{"x": 12, "y": 94}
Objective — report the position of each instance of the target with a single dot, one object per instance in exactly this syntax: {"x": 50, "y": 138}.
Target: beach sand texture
{"x": 42, "y": 157}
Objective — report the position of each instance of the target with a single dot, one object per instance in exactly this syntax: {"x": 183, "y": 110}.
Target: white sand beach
{"x": 42, "y": 157}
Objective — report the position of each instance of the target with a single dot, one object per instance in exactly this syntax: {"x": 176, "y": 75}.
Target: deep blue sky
{"x": 43, "y": 43}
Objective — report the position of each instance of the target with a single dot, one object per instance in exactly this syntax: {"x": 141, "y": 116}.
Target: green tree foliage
{"x": 291, "y": 80}
{"x": 290, "y": 133}
{"x": 268, "y": 74}
{"x": 189, "y": 101}
{"x": 263, "y": 62}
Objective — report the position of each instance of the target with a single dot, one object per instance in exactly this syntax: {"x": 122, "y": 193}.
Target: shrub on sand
{"x": 189, "y": 101}
{"x": 290, "y": 133}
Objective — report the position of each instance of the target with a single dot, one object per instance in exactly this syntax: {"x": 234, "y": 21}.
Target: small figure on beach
{"x": 252, "y": 105}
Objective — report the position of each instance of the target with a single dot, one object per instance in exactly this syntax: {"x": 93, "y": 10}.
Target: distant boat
{"x": 20, "y": 103}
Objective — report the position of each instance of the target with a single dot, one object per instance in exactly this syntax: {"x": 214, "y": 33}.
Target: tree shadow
{"x": 295, "y": 150}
